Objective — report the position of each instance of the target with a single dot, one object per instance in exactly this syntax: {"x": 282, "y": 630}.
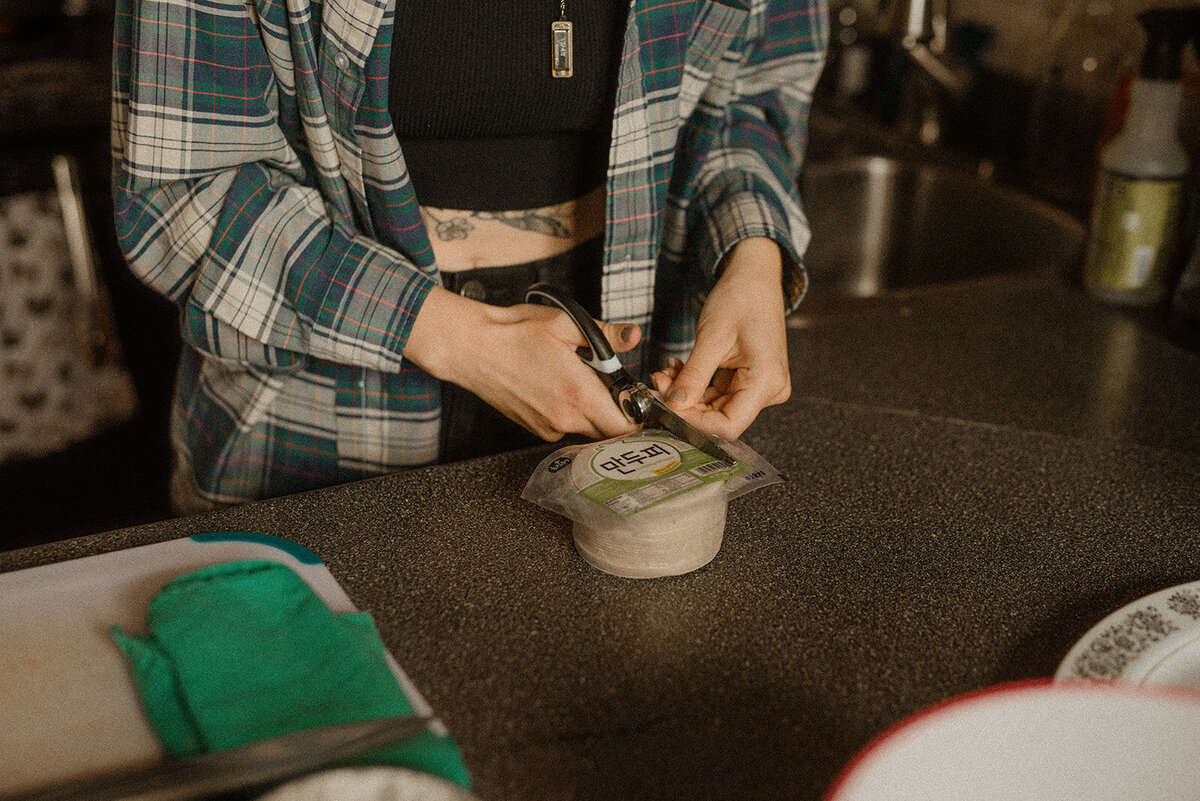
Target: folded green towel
{"x": 245, "y": 651}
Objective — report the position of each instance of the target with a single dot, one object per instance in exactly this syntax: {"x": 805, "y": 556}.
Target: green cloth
{"x": 245, "y": 651}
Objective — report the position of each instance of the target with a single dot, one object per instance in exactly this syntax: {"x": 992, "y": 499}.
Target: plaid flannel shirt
{"x": 259, "y": 186}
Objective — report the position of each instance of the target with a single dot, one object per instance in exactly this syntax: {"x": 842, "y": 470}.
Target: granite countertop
{"x": 977, "y": 475}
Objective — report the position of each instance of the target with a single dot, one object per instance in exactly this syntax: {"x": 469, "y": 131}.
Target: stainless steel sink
{"x": 882, "y": 226}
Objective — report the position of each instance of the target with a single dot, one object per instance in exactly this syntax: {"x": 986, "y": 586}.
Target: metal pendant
{"x": 562, "y": 56}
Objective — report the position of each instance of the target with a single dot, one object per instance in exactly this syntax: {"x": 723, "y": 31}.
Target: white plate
{"x": 1154, "y": 640}
{"x": 1075, "y": 741}
{"x": 369, "y": 784}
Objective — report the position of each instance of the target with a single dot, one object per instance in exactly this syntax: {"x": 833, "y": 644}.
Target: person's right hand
{"x": 522, "y": 361}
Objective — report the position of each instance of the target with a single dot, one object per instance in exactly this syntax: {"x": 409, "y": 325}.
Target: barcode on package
{"x": 712, "y": 467}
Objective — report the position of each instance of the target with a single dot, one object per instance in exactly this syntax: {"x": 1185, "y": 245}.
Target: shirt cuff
{"x": 743, "y": 206}
{"x": 370, "y": 303}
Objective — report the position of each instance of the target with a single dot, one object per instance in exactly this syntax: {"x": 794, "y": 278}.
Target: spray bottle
{"x": 1136, "y": 216}
{"x": 1184, "y": 314}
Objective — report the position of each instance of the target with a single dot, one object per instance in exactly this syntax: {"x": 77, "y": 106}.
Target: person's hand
{"x": 522, "y": 361}
{"x": 739, "y": 363}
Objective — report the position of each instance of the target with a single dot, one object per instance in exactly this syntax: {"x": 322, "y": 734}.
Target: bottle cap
{"x": 1167, "y": 31}
{"x": 1196, "y": 30}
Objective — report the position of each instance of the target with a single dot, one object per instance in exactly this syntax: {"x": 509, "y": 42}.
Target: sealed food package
{"x": 647, "y": 504}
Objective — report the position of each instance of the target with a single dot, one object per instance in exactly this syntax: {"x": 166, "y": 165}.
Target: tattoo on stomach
{"x": 551, "y": 221}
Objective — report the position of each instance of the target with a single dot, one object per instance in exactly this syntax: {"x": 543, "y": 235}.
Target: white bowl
{"x": 1079, "y": 741}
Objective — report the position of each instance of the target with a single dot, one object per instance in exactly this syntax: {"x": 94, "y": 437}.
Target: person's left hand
{"x": 739, "y": 363}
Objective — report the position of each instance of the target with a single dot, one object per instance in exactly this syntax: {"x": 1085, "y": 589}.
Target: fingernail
{"x": 676, "y": 396}
{"x": 626, "y": 333}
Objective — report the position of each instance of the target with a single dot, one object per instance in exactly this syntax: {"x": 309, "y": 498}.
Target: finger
{"x": 672, "y": 368}
{"x": 596, "y": 422}
{"x": 666, "y": 374}
{"x": 621, "y": 336}
{"x": 693, "y": 378}
{"x": 733, "y": 410}
{"x": 607, "y": 421}
{"x": 730, "y": 415}
{"x": 589, "y": 409}
{"x": 740, "y": 410}
{"x": 723, "y": 379}
{"x": 670, "y": 371}
{"x": 712, "y": 419}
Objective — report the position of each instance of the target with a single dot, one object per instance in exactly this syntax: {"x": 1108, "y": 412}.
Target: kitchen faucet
{"x": 921, "y": 29}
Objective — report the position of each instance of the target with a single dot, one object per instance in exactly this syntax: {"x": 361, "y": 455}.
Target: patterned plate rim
{"x": 1130, "y": 642}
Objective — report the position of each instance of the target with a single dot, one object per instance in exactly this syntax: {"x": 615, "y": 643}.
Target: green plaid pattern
{"x": 260, "y": 187}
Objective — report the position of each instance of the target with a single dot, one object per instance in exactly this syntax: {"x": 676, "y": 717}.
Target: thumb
{"x": 693, "y": 378}
{"x": 621, "y": 336}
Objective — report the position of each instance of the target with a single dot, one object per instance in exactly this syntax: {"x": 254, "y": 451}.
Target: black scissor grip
{"x": 601, "y": 353}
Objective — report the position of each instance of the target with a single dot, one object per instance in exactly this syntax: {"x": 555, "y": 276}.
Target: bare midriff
{"x": 465, "y": 240}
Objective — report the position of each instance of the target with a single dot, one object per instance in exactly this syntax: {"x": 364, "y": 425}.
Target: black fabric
{"x": 470, "y": 427}
{"x": 481, "y": 122}
{"x": 503, "y": 174}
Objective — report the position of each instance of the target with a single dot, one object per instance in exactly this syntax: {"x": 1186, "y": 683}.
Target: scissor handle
{"x": 599, "y": 354}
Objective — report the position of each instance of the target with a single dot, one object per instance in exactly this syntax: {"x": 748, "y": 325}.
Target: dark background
{"x": 55, "y": 71}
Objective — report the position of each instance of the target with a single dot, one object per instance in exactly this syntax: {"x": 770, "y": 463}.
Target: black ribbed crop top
{"x": 481, "y": 122}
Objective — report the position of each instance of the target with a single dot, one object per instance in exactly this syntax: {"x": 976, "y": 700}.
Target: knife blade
{"x": 251, "y": 765}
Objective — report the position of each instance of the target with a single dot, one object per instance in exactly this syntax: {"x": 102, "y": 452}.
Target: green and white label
{"x": 627, "y": 476}
{"x": 1133, "y": 229}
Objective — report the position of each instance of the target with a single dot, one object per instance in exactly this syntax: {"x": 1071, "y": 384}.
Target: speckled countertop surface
{"x": 977, "y": 476}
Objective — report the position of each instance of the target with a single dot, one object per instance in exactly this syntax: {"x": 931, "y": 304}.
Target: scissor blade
{"x": 659, "y": 415}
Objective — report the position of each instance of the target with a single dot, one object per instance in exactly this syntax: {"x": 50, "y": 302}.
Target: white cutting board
{"x": 69, "y": 707}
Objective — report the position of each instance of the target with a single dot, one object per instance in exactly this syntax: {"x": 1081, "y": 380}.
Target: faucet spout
{"x": 946, "y": 75}
{"x": 921, "y": 29}
{"x": 913, "y": 22}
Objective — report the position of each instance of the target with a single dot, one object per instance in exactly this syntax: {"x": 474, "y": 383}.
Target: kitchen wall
{"x": 1028, "y": 32}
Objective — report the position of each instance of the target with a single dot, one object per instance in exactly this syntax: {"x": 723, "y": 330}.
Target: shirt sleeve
{"x": 218, "y": 210}
{"x": 746, "y": 185}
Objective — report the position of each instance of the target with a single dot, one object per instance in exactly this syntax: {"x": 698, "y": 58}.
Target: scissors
{"x": 637, "y": 401}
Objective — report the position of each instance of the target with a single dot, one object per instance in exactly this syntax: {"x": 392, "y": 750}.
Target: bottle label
{"x": 1133, "y": 230}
